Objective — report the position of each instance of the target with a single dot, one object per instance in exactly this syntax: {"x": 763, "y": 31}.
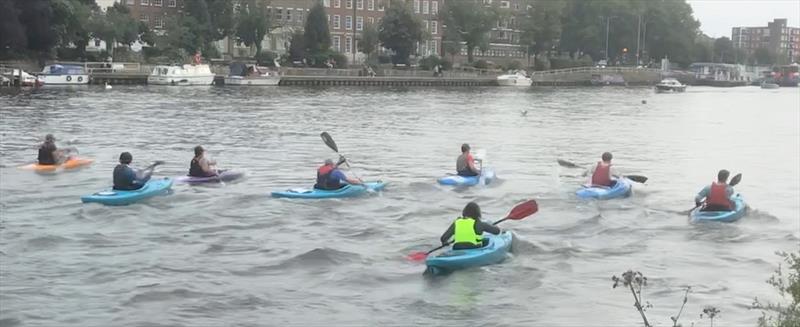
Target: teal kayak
{"x": 620, "y": 190}
{"x": 495, "y": 252}
{"x": 487, "y": 176}
{"x": 722, "y": 216}
{"x": 117, "y": 197}
{"x": 343, "y": 192}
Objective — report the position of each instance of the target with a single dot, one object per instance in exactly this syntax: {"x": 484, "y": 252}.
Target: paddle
{"x": 519, "y": 212}
{"x": 735, "y": 180}
{"x": 635, "y": 178}
{"x": 332, "y": 144}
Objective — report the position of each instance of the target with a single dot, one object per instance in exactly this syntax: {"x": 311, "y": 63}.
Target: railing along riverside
{"x": 598, "y": 70}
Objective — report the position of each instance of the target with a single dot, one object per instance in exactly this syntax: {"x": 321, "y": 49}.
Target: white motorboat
{"x": 516, "y": 78}
{"x": 199, "y": 74}
{"x": 66, "y": 74}
{"x": 670, "y": 85}
{"x": 766, "y": 85}
{"x": 12, "y": 75}
{"x": 244, "y": 74}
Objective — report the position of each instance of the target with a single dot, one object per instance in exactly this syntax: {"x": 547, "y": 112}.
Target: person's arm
{"x": 589, "y": 171}
{"x": 703, "y": 194}
{"x": 350, "y": 180}
{"x": 448, "y": 233}
{"x": 489, "y": 228}
{"x": 471, "y": 164}
{"x": 205, "y": 165}
{"x": 614, "y": 172}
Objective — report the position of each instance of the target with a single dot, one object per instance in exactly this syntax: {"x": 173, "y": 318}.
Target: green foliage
{"x": 253, "y": 24}
{"x": 787, "y": 283}
{"x": 266, "y": 58}
{"x": 297, "y": 46}
{"x": 70, "y": 20}
{"x": 317, "y": 36}
{"x": 723, "y": 50}
{"x": 541, "y": 25}
{"x": 470, "y": 22}
{"x": 116, "y": 25}
{"x": 368, "y": 40}
{"x": 431, "y": 61}
{"x": 559, "y": 62}
{"x": 318, "y": 59}
{"x": 762, "y": 56}
{"x": 541, "y": 63}
{"x": 514, "y": 65}
{"x": 399, "y": 31}
{"x": 482, "y": 64}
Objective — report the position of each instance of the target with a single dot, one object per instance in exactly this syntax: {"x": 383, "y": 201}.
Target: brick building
{"x": 154, "y": 12}
{"x": 776, "y": 37}
{"x": 504, "y": 38}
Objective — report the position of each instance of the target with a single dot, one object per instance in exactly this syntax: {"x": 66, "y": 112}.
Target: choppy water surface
{"x": 229, "y": 255}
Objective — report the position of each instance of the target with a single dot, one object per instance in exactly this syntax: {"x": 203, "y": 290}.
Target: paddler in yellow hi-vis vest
{"x": 467, "y": 229}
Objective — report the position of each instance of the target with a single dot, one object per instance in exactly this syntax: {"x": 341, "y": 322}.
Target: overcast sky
{"x": 717, "y": 17}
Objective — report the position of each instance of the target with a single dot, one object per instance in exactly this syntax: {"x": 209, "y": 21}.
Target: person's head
{"x": 464, "y": 148}
{"x": 606, "y": 157}
{"x": 49, "y": 138}
{"x": 328, "y": 162}
{"x": 472, "y": 210}
{"x": 722, "y": 176}
{"x": 125, "y": 158}
{"x": 198, "y": 151}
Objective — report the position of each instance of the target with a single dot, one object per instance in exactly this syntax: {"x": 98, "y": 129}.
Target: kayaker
{"x": 603, "y": 171}
{"x": 200, "y": 166}
{"x": 49, "y": 154}
{"x": 718, "y": 196}
{"x": 329, "y": 177}
{"x": 126, "y": 178}
{"x": 467, "y": 229}
{"x": 465, "y": 164}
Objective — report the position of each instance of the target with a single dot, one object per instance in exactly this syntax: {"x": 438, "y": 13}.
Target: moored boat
{"x": 670, "y": 85}
{"x": 64, "y": 74}
{"x": 515, "y": 78}
{"x": 248, "y": 74}
{"x": 181, "y": 75}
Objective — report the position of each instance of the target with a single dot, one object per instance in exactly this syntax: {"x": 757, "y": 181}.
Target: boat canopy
{"x": 64, "y": 70}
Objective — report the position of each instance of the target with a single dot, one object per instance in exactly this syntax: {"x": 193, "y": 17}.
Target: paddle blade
{"x": 637, "y": 178}
{"x": 417, "y": 256}
{"x": 523, "y": 210}
{"x": 564, "y": 163}
{"x": 329, "y": 141}
{"x": 735, "y": 180}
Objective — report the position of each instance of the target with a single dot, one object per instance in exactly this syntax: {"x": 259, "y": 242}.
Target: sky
{"x": 717, "y": 17}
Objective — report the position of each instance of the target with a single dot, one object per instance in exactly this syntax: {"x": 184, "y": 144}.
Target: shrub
{"x": 265, "y": 58}
{"x": 481, "y": 64}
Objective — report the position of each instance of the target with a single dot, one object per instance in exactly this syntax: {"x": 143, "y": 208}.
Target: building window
{"x": 349, "y": 4}
{"x": 371, "y": 20}
{"x": 348, "y": 22}
{"x": 427, "y": 26}
{"x": 157, "y": 3}
{"x": 435, "y": 46}
{"x": 337, "y": 43}
{"x": 348, "y": 42}
{"x": 144, "y": 18}
{"x": 326, "y": 3}
{"x": 159, "y": 22}
{"x": 371, "y": 5}
{"x": 380, "y": 5}
{"x": 288, "y": 15}
{"x": 434, "y": 27}
{"x": 425, "y": 8}
{"x": 360, "y": 4}
{"x": 144, "y": 2}
{"x": 337, "y": 3}
{"x": 171, "y": 3}
{"x": 278, "y": 13}
{"x": 434, "y": 7}
{"x": 359, "y": 23}
{"x": 416, "y": 6}
{"x": 505, "y": 4}
{"x": 336, "y": 22}
{"x": 299, "y": 16}
{"x": 131, "y": 2}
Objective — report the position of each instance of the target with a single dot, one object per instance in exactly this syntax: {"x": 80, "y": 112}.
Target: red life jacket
{"x": 323, "y": 178}
{"x": 718, "y": 197}
{"x": 602, "y": 174}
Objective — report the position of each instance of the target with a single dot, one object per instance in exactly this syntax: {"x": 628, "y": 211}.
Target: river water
{"x": 230, "y": 255}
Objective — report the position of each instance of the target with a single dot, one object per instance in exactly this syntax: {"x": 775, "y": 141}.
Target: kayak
{"x": 620, "y": 190}
{"x": 225, "y": 176}
{"x": 313, "y": 193}
{"x": 118, "y": 197}
{"x": 721, "y": 216}
{"x": 71, "y": 163}
{"x": 487, "y": 174}
{"x": 451, "y": 260}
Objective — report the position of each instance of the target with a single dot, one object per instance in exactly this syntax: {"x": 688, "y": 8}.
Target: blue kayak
{"x": 487, "y": 175}
{"x": 117, "y": 198}
{"x": 620, "y": 190}
{"x": 494, "y": 252}
{"x": 721, "y": 216}
{"x": 313, "y": 193}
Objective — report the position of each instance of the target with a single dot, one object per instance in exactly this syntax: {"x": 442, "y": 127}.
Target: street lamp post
{"x": 608, "y": 22}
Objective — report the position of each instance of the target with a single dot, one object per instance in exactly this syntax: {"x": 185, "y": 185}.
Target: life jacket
{"x": 46, "y": 154}
{"x": 122, "y": 179}
{"x": 195, "y": 169}
{"x": 718, "y": 196}
{"x": 324, "y": 180}
{"x": 465, "y": 232}
{"x": 462, "y": 165}
{"x": 602, "y": 174}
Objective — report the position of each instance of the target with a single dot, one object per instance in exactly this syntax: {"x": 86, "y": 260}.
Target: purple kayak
{"x": 225, "y": 176}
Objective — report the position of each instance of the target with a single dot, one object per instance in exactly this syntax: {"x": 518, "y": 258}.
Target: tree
{"x": 541, "y": 25}
{"x": 71, "y": 22}
{"x": 317, "y": 36}
{"x": 253, "y": 24}
{"x": 297, "y": 46}
{"x": 723, "y": 50}
{"x": 763, "y": 56}
{"x": 116, "y": 25}
{"x": 12, "y": 32}
{"x": 368, "y": 41}
{"x": 399, "y": 31}
{"x": 36, "y": 17}
{"x": 471, "y": 22}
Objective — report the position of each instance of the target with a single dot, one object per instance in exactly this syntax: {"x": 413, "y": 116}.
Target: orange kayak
{"x": 71, "y": 163}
